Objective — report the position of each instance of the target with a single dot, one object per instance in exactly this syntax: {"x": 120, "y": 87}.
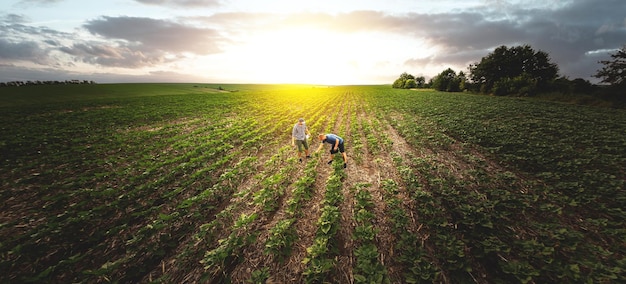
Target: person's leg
{"x": 300, "y": 146}
{"x": 331, "y": 156}
{"x": 306, "y": 149}
{"x": 343, "y": 154}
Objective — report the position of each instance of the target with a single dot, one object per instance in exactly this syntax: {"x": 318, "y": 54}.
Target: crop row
{"x": 367, "y": 268}
{"x": 320, "y": 255}
{"x": 489, "y": 222}
{"x": 283, "y": 234}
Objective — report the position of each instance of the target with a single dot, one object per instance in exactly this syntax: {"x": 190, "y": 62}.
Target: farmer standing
{"x": 298, "y": 137}
{"x": 336, "y": 143}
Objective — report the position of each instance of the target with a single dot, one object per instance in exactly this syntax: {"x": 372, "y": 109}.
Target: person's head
{"x": 321, "y": 136}
{"x": 301, "y": 121}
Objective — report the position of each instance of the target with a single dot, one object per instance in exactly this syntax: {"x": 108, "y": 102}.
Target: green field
{"x": 187, "y": 183}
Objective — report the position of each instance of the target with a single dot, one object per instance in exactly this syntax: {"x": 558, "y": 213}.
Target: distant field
{"x": 188, "y": 183}
{"x": 44, "y": 94}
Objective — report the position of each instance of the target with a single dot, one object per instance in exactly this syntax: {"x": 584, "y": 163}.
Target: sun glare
{"x": 311, "y": 56}
{"x": 302, "y": 56}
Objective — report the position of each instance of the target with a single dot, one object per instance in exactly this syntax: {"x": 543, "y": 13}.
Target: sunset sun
{"x": 297, "y": 56}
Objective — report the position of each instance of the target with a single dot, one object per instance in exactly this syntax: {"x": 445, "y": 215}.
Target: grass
{"x": 196, "y": 182}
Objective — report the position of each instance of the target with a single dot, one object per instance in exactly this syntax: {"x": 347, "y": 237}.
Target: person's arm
{"x": 336, "y": 144}
{"x": 320, "y": 147}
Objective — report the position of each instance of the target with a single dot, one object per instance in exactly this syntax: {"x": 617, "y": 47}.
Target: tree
{"x": 614, "y": 70}
{"x": 463, "y": 80}
{"x": 447, "y": 81}
{"x": 406, "y": 81}
{"x": 420, "y": 81}
{"x": 509, "y": 69}
{"x": 614, "y": 73}
{"x": 410, "y": 84}
{"x": 582, "y": 86}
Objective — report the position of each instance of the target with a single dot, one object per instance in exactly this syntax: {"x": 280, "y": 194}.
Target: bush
{"x": 448, "y": 81}
{"x": 520, "y": 85}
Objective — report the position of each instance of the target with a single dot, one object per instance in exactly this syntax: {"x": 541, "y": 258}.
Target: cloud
{"x": 12, "y": 19}
{"x": 25, "y": 50}
{"x": 21, "y": 42}
{"x": 112, "y": 56}
{"x": 17, "y": 28}
{"x": 146, "y": 34}
{"x": 182, "y": 3}
{"x": 569, "y": 31}
{"x": 127, "y": 42}
{"x": 133, "y": 42}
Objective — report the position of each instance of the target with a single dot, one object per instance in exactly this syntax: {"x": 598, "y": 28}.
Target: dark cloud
{"x": 51, "y": 42}
{"x": 146, "y": 34}
{"x": 127, "y": 42}
{"x": 568, "y": 33}
{"x": 24, "y": 50}
{"x": 113, "y": 56}
{"x": 182, "y": 3}
{"x": 133, "y": 42}
{"x": 12, "y": 19}
{"x": 21, "y": 42}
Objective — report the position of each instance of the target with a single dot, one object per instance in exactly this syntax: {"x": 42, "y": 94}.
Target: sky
{"x": 332, "y": 42}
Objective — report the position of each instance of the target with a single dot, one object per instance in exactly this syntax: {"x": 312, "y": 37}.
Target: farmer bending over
{"x": 298, "y": 137}
{"x": 336, "y": 143}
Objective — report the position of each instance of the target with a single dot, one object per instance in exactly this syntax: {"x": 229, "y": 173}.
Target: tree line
{"x": 33, "y": 83}
{"x": 520, "y": 70}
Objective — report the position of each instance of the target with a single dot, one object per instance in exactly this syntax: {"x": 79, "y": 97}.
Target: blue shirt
{"x": 332, "y": 139}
